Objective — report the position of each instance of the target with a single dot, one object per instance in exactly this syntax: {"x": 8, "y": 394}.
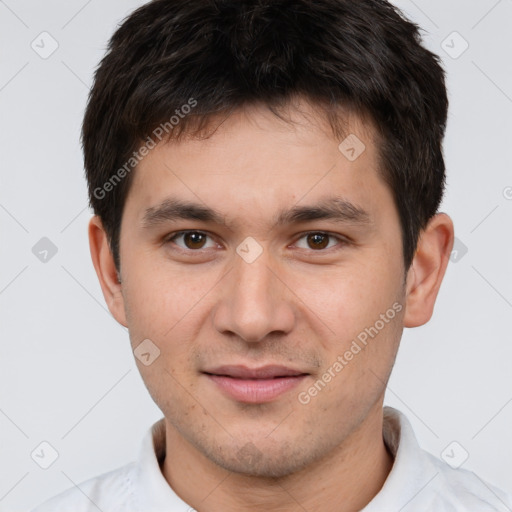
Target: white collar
{"x": 418, "y": 481}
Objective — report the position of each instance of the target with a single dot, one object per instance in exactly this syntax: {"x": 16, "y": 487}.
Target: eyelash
{"x": 341, "y": 240}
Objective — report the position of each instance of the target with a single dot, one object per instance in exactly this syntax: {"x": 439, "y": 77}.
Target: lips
{"x": 265, "y": 372}
{"x": 254, "y": 385}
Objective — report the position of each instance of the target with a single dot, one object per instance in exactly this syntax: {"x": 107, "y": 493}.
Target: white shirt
{"x": 417, "y": 482}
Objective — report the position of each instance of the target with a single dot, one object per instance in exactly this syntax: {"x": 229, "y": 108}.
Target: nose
{"x": 254, "y": 302}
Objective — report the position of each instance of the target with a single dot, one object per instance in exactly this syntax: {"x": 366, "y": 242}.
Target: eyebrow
{"x": 332, "y": 208}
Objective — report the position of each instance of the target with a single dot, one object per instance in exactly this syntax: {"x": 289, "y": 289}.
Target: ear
{"x": 103, "y": 262}
{"x": 427, "y": 270}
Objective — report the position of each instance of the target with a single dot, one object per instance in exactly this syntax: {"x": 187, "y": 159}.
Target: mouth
{"x": 255, "y": 385}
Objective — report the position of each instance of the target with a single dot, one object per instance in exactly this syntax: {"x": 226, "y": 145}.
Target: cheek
{"x": 160, "y": 295}
{"x": 348, "y": 298}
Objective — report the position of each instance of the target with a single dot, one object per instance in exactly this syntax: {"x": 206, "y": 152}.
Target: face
{"x": 265, "y": 264}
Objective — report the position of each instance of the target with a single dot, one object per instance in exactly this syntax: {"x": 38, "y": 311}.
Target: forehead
{"x": 253, "y": 163}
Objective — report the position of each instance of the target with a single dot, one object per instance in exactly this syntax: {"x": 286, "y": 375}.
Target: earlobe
{"x": 428, "y": 269}
{"x": 106, "y": 271}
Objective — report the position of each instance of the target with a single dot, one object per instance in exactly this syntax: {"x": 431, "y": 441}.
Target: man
{"x": 266, "y": 177}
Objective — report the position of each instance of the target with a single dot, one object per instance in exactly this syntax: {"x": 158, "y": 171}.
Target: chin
{"x": 277, "y": 460}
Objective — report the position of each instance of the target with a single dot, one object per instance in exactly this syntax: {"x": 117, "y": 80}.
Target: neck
{"x": 345, "y": 480}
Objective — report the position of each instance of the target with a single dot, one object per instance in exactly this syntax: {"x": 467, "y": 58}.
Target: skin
{"x": 296, "y": 305}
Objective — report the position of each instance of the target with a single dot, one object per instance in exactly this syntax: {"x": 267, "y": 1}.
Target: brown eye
{"x": 194, "y": 240}
{"x": 191, "y": 240}
{"x": 318, "y": 240}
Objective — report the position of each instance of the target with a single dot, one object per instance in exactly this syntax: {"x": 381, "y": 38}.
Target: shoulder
{"x": 464, "y": 490}
{"x": 421, "y": 482}
{"x": 108, "y": 492}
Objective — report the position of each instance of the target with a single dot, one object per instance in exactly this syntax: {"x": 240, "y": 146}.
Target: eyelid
{"x": 169, "y": 238}
{"x": 343, "y": 240}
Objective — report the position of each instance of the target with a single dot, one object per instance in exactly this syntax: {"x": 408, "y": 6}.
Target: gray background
{"x": 67, "y": 375}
